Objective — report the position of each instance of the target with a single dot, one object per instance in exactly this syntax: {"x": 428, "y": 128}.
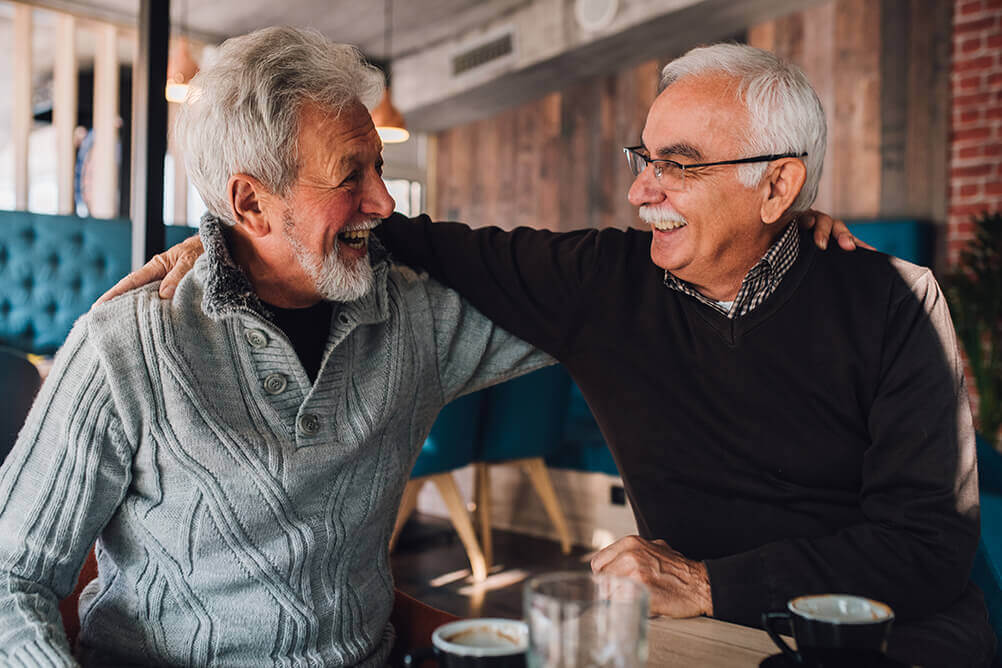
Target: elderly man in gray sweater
{"x": 239, "y": 472}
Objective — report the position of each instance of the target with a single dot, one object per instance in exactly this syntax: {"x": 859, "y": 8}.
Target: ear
{"x": 781, "y": 185}
{"x": 250, "y": 203}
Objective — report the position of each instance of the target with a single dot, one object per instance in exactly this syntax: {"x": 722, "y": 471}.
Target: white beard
{"x": 334, "y": 279}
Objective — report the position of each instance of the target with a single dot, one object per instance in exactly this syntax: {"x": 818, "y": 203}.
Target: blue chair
{"x": 449, "y": 446}
{"x": 584, "y": 447}
{"x": 19, "y": 383}
{"x": 987, "y": 569}
{"x": 523, "y": 422}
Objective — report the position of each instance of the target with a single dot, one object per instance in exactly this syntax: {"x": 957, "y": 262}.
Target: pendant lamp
{"x": 388, "y": 120}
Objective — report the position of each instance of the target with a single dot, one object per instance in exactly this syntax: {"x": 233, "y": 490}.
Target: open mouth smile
{"x": 665, "y": 225}
{"x": 356, "y": 239}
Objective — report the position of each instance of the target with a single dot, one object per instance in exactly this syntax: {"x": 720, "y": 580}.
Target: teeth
{"x": 355, "y": 234}
{"x": 668, "y": 225}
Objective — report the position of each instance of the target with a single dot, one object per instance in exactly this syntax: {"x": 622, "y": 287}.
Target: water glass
{"x": 580, "y": 619}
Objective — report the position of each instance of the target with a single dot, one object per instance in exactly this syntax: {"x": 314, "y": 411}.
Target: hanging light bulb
{"x": 388, "y": 120}
{"x": 181, "y": 68}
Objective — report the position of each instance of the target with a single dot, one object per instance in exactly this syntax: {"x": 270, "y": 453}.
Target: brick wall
{"x": 976, "y": 123}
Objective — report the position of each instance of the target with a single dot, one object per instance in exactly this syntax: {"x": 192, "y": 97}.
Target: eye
{"x": 351, "y": 178}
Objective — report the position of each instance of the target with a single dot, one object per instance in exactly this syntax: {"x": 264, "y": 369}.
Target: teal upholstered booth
{"x": 907, "y": 239}
{"x": 52, "y": 268}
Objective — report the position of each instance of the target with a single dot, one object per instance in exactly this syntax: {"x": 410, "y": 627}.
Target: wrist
{"x": 705, "y": 591}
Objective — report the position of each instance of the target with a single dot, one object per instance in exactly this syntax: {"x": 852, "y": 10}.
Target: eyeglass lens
{"x": 668, "y": 174}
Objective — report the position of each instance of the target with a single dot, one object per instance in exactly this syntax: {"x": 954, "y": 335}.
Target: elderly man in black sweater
{"x": 787, "y": 420}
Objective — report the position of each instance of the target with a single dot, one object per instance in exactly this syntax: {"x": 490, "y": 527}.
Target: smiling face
{"x": 338, "y": 196}
{"x": 711, "y": 232}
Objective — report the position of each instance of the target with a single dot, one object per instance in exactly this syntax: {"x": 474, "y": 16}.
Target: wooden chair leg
{"x": 483, "y": 494}
{"x": 540, "y": 479}
{"x": 461, "y": 521}
{"x": 407, "y": 505}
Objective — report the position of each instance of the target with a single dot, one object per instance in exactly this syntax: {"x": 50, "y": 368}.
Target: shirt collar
{"x": 760, "y": 281}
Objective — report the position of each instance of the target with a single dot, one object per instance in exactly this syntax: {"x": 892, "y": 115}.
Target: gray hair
{"x": 784, "y": 112}
{"x": 242, "y": 112}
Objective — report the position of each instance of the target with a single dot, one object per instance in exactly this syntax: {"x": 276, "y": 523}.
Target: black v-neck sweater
{"x": 822, "y": 442}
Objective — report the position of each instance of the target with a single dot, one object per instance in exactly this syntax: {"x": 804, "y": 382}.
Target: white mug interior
{"x": 512, "y": 633}
{"x": 840, "y": 609}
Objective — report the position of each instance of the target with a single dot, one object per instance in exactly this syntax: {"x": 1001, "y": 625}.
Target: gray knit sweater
{"x": 241, "y": 514}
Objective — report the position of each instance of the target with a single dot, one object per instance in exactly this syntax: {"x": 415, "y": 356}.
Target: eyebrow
{"x": 681, "y": 149}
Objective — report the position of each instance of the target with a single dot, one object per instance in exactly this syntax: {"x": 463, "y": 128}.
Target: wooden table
{"x": 707, "y": 643}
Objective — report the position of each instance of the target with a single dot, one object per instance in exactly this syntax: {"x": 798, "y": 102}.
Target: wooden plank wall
{"x": 880, "y": 68}
{"x": 552, "y": 163}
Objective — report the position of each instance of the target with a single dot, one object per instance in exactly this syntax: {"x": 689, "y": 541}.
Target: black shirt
{"x": 308, "y": 338}
{"x": 820, "y": 443}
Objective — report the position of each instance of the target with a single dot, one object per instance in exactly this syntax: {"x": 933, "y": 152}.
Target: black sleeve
{"x": 919, "y": 490}
{"x": 531, "y": 282}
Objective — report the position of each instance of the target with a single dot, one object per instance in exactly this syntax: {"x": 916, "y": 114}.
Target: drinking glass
{"x": 581, "y": 619}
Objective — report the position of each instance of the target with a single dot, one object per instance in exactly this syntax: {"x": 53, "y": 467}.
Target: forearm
{"x": 528, "y": 281}
{"x": 913, "y": 575}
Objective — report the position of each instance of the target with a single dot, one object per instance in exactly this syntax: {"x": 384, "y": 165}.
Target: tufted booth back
{"x": 52, "y": 268}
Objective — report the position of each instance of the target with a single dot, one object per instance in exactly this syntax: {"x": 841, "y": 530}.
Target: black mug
{"x": 834, "y": 630}
{"x": 476, "y": 643}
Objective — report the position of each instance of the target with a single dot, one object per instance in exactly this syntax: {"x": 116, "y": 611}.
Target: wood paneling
{"x": 64, "y": 109}
{"x": 879, "y": 69}
{"x": 553, "y": 163}
{"x": 22, "y": 120}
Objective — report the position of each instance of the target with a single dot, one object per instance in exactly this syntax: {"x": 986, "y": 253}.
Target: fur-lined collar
{"x": 228, "y": 291}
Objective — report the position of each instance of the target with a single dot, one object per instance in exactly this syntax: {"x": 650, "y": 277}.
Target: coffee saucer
{"x": 782, "y": 661}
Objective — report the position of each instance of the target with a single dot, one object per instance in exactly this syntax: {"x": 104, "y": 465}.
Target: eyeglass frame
{"x": 628, "y": 150}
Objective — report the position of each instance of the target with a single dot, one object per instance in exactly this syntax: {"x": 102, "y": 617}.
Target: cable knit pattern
{"x": 241, "y": 514}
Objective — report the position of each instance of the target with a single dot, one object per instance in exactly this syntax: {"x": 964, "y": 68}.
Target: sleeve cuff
{"x": 739, "y": 587}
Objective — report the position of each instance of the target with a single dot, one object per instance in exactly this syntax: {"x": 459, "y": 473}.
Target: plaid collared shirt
{"x": 760, "y": 281}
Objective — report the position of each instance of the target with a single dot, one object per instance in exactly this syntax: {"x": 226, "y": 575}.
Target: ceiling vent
{"x": 491, "y": 50}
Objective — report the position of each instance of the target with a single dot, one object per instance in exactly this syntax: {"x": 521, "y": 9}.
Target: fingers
{"x": 153, "y": 270}
{"x": 607, "y": 555}
{"x": 169, "y": 283}
{"x": 848, "y": 241}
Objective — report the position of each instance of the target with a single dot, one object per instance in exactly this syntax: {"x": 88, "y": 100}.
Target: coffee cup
{"x": 475, "y": 643}
{"x": 833, "y": 630}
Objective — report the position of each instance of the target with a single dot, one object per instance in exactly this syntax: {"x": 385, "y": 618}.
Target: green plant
{"x": 974, "y": 291}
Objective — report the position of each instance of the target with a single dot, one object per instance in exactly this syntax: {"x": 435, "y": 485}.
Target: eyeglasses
{"x": 671, "y": 174}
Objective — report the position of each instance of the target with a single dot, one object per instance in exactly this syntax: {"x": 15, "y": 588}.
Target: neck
{"x": 725, "y": 281}
{"x": 277, "y": 278}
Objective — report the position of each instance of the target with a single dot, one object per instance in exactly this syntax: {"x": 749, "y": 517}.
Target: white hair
{"x": 784, "y": 113}
{"x": 241, "y": 114}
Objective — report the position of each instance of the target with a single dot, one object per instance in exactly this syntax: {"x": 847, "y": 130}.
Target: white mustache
{"x": 660, "y": 214}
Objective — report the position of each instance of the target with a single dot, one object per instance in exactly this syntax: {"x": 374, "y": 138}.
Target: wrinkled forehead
{"x": 705, "y": 112}
{"x": 331, "y": 138}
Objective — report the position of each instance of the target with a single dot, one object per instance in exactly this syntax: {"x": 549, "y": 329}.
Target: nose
{"x": 376, "y": 200}
{"x": 645, "y": 189}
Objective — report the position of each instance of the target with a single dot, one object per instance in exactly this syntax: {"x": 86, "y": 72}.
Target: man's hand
{"x": 826, "y": 227}
{"x": 168, "y": 267}
{"x": 679, "y": 587}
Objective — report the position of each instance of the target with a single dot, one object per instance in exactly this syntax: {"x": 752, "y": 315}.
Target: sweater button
{"x": 256, "y": 338}
{"x": 343, "y": 318}
{"x": 309, "y": 424}
{"x": 275, "y": 383}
